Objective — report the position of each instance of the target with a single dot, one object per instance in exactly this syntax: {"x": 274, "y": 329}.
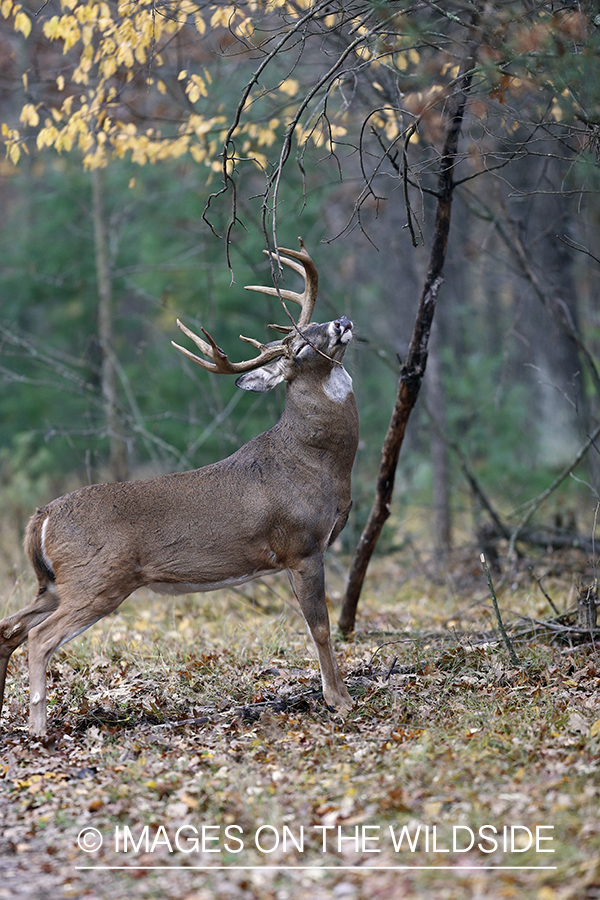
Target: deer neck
{"x": 324, "y": 418}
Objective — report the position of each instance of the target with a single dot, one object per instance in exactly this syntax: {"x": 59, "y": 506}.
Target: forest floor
{"x": 169, "y": 771}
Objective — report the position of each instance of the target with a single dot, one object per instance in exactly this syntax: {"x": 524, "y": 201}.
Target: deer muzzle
{"x": 343, "y": 327}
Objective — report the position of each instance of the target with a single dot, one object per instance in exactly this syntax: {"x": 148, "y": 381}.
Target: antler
{"x": 218, "y": 360}
{"x": 302, "y": 263}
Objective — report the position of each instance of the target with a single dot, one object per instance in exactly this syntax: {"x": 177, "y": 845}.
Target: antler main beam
{"x": 301, "y": 263}
{"x": 218, "y": 361}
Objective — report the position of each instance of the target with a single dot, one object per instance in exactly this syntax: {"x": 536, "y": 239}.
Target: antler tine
{"x": 219, "y": 362}
{"x": 302, "y": 263}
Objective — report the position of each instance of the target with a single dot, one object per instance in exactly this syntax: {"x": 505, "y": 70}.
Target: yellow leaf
{"x": 266, "y": 137}
{"x": 391, "y": 129}
{"x": 556, "y": 111}
{"x": 64, "y": 142}
{"x": 47, "y": 136}
{"x": 222, "y": 17}
{"x": 23, "y": 23}
{"x": 198, "y": 153}
{"x": 290, "y": 87}
{"x": 60, "y": 82}
{"x": 71, "y": 34}
{"x": 125, "y": 54}
{"x": 595, "y": 728}
{"x": 196, "y": 88}
{"x": 108, "y": 67}
{"x": 29, "y": 115}
{"x": 52, "y": 28}
{"x": 6, "y": 8}
{"x": 87, "y": 34}
{"x": 246, "y": 27}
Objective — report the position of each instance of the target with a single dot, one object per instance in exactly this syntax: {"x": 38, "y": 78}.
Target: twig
{"x": 511, "y": 650}
{"x": 573, "y": 245}
{"x": 546, "y": 595}
{"x": 535, "y": 504}
{"x": 391, "y": 669}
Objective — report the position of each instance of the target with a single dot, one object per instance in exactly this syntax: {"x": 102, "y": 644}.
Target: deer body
{"x": 276, "y": 504}
{"x": 163, "y": 532}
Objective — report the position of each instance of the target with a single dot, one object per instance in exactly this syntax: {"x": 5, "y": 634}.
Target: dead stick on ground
{"x": 511, "y": 650}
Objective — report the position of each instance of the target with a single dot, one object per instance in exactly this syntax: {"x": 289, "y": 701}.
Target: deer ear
{"x": 263, "y": 379}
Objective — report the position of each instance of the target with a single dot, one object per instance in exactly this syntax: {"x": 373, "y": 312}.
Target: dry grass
{"x": 462, "y": 740}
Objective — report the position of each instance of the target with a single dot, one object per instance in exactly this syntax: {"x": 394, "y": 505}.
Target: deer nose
{"x": 343, "y": 324}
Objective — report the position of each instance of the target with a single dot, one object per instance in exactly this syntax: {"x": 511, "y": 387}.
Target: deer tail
{"x": 34, "y": 545}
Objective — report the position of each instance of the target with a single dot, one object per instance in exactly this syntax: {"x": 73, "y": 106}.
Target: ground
{"x": 187, "y": 738}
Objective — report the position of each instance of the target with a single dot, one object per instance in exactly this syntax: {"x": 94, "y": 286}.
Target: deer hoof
{"x": 340, "y": 703}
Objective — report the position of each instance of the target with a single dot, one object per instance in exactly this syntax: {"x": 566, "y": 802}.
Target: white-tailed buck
{"x": 276, "y": 504}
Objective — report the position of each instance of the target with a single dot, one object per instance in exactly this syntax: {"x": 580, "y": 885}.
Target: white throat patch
{"x": 338, "y": 385}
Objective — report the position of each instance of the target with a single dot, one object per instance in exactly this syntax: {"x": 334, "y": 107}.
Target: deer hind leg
{"x": 15, "y": 629}
{"x": 308, "y": 583}
{"x": 74, "y": 614}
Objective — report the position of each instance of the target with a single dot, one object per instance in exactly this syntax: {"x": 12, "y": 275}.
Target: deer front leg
{"x": 3, "y": 667}
{"x": 308, "y": 583}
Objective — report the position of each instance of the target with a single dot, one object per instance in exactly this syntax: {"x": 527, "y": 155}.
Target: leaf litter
{"x": 193, "y": 739}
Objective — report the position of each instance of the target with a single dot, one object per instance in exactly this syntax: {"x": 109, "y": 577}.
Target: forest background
{"x": 100, "y": 259}
{"x": 154, "y": 150}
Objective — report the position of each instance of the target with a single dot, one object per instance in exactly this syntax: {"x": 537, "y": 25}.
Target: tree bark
{"x": 413, "y": 370}
{"x": 106, "y": 340}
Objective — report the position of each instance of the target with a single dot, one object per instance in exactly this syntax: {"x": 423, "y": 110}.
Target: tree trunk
{"x": 108, "y": 373}
{"x": 413, "y": 369}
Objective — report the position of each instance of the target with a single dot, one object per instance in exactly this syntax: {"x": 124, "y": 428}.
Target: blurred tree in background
{"x": 221, "y": 129}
